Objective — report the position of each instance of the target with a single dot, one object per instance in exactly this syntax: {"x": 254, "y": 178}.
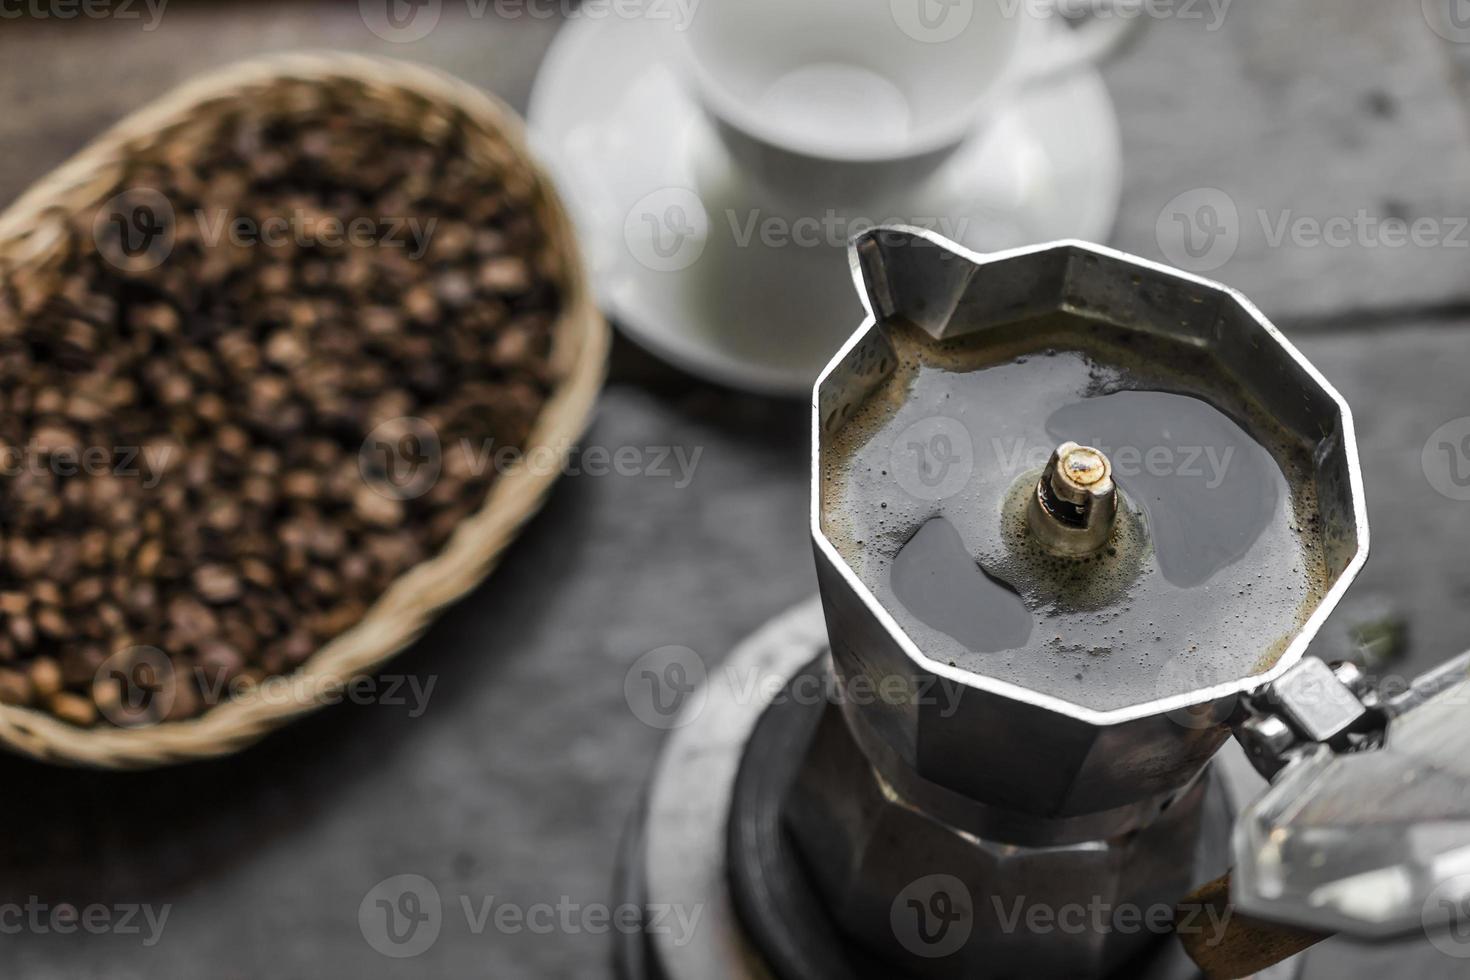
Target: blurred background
{"x": 515, "y": 784}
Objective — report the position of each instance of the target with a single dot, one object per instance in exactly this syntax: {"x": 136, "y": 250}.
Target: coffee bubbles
{"x": 1215, "y": 559}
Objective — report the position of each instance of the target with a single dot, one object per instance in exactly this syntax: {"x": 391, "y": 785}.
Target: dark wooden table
{"x": 515, "y": 783}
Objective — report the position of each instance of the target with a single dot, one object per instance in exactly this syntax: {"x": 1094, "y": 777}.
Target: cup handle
{"x": 1091, "y": 43}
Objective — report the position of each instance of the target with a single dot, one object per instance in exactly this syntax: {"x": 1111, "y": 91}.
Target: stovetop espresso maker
{"x": 1077, "y": 518}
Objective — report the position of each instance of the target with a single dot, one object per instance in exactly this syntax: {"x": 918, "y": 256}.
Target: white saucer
{"x": 672, "y": 236}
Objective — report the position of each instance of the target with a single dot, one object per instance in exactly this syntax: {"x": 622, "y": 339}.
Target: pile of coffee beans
{"x": 257, "y": 385}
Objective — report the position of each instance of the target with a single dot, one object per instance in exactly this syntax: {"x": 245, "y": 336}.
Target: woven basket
{"x": 33, "y": 235}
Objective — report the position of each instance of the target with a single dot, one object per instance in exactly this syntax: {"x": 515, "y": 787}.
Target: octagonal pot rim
{"x": 1305, "y": 634}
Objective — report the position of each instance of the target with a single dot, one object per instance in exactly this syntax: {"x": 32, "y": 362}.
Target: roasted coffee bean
{"x": 217, "y": 584}
{"x": 52, "y": 623}
{"x": 191, "y": 620}
{"x": 15, "y": 687}
{"x": 22, "y": 631}
{"x": 179, "y": 698}
{"x": 219, "y": 663}
{"x": 80, "y": 663}
{"x": 73, "y": 708}
{"x": 376, "y": 508}
{"x": 45, "y": 676}
{"x": 45, "y": 592}
{"x": 233, "y": 513}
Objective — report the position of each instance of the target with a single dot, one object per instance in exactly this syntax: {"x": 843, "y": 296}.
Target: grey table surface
{"x": 515, "y": 783}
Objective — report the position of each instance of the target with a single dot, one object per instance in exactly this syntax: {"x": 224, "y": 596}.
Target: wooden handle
{"x": 1229, "y": 946}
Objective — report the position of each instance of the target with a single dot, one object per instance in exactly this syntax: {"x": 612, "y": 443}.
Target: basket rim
{"x": 410, "y": 603}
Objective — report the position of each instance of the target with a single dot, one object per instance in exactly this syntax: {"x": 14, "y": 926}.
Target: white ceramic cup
{"x": 850, "y": 102}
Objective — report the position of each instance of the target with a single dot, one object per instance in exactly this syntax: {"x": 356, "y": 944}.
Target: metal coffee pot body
{"x": 1016, "y": 793}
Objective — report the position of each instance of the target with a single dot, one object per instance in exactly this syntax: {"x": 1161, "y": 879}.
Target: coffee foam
{"x": 1111, "y": 631}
